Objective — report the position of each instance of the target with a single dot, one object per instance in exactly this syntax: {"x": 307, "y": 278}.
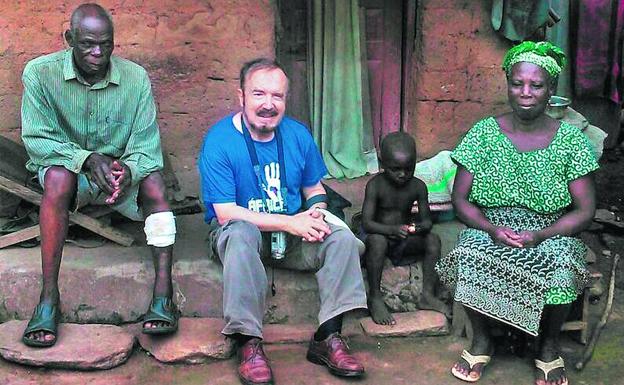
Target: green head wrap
{"x": 544, "y": 54}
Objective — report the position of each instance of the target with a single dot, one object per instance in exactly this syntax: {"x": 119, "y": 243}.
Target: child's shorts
{"x": 396, "y": 250}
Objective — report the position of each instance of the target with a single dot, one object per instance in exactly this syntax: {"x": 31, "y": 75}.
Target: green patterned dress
{"x": 524, "y": 191}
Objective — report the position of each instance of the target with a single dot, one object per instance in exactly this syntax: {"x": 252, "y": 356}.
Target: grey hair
{"x": 88, "y": 9}
{"x": 259, "y": 64}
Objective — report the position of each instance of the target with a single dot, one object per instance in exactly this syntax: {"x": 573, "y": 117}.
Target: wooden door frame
{"x": 408, "y": 44}
{"x": 407, "y": 61}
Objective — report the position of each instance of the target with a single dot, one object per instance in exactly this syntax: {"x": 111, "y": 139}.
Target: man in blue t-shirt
{"x": 255, "y": 166}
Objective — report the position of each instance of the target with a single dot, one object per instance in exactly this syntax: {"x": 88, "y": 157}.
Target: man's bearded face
{"x": 264, "y": 100}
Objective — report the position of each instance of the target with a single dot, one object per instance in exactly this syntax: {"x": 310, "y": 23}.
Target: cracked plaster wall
{"x": 193, "y": 51}
{"x": 456, "y": 72}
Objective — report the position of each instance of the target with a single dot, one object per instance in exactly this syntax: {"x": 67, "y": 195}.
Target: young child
{"x": 393, "y": 231}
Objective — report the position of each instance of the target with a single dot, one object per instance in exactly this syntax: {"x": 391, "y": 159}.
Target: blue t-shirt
{"x": 227, "y": 173}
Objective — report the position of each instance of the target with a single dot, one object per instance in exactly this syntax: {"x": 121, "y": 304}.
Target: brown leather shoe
{"x": 253, "y": 368}
{"x": 333, "y": 352}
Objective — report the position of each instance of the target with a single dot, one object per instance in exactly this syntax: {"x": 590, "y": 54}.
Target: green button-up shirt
{"x": 64, "y": 119}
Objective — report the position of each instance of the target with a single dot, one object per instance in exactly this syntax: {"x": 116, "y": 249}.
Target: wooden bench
{"x": 15, "y": 179}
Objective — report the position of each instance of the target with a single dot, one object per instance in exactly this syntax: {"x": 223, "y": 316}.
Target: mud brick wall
{"x": 192, "y": 50}
{"x": 456, "y": 72}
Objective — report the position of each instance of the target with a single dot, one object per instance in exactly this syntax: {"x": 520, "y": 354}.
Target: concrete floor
{"x": 391, "y": 361}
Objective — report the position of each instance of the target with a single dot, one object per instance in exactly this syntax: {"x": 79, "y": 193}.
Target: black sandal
{"x": 162, "y": 309}
{"x": 44, "y": 319}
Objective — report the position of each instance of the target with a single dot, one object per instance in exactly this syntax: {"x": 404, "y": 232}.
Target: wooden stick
{"x": 19, "y": 236}
{"x": 589, "y": 349}
{"x": 24, "y": 192}
{"x": 102, "y": 229}
{"x": 85, "y": 221}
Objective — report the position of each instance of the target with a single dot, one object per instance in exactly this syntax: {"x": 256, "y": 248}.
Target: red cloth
{"x": 598, "y": 57}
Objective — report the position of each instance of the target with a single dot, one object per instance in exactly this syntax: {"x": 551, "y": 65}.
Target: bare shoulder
{"x": 373, "y": 185}
{"x": 418, "y": 186}
{"x": 375, "y": 182}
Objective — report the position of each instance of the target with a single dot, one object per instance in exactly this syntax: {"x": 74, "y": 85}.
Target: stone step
{"x": 79, "y": 347}
{"x": 411, "y": 324}
{"x": 113, "y": 284}
{"x": 197, "y": 340}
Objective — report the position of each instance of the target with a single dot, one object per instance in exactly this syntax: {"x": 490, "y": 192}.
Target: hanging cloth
{"x": 517, "y": 20}
{"x": 598, "y": 57}
{"x": 559, "y": 35}
{"x": 338, "y": 89}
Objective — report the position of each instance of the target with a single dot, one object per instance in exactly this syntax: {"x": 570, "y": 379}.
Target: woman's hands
{"x": 506, "y": 236}
{"x": 530, "y": 238}
{"x": 509, "y": 237}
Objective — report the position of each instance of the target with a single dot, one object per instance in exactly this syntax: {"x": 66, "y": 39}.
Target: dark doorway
{"x": 292, "y": 53}
{"x": 389, "y": 27}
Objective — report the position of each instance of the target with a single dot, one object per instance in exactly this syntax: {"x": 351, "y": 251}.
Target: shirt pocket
{"x": 115, "y": 132}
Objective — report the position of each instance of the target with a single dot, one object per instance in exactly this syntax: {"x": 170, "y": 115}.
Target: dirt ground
{"x": 610, "y": 196}
{"x": 610, "y": 179}
{"x": 389, "y": 361}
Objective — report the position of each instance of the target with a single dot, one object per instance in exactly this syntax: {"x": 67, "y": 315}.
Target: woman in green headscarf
{"x": 524, "y": 188}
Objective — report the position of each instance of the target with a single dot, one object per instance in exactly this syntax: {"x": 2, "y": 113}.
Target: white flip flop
{"x": 472, "y": 361}
{"x": 547, "y": 367}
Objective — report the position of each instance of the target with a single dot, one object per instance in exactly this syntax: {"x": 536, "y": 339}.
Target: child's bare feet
{"x": 379, "y": 312}
{"x": 431, "y": 302}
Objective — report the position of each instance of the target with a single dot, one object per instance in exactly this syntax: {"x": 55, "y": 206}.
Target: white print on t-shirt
{"x": 272, "y": 189}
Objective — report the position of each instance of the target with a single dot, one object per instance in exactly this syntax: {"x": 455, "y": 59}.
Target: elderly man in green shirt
{"x": 89, "y": 126}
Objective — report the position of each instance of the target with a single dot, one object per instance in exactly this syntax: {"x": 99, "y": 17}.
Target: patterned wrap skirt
{"x": 513, "y": 284}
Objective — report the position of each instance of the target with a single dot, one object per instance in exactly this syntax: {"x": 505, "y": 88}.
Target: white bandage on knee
{"x": 160, "y": 229}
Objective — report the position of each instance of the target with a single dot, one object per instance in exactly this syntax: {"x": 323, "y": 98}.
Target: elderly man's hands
{"x": 112, "y": 176}
{"x": 310, "y": 225}
{"x": 121, "y": 173}
{"x": 98, "y": 169}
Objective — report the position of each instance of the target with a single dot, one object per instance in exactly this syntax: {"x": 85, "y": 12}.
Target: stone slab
{"x": 411, "y": 324}
{"x": 402, "y": 285}
{"x": 198, "y": 340}
{"x": 79, "y": 347}
{"x": 113, "y": 284}
{"x": 90, "y": 281}
{"x": 288, "y": 334}
{"x": 302, "y": 333}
